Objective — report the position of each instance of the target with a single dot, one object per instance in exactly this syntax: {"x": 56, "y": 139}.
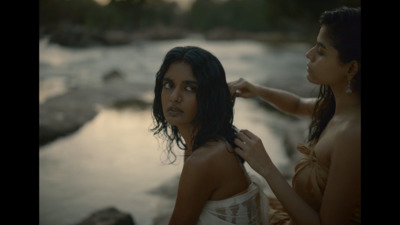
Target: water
{"x": 114, "y": 160}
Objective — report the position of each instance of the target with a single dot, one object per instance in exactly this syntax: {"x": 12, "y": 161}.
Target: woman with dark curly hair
{"x": 326, "y": 186}
{"x": 193, "y": 109}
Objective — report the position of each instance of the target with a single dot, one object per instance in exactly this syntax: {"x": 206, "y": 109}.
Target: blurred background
{"x": 97, "y": 66}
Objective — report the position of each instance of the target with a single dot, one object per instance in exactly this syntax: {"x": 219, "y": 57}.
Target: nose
{"x": 308, "y": 53}
{"x": 176, "y": 95}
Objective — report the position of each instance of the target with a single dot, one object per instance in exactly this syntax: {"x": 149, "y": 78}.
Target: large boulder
{"x": 64, "y": 114}
{"x": 108, "y": 216}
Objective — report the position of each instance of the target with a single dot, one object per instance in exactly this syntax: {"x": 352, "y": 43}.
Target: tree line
{"x": 204, "y": 15}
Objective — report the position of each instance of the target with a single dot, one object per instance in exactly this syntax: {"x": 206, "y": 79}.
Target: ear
{"x": 352, "y": 68}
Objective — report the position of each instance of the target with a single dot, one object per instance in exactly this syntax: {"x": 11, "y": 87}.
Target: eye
{"x": 167, "y": 85}
{"x": 319, "y": 52}
{"x": 190, "y": 88}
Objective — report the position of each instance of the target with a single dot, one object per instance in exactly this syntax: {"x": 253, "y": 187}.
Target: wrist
{"x": 267, "y": 170}
{"x": 257, "y": 90}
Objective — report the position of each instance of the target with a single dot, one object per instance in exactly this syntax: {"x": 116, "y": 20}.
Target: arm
{"x": 254, "y": 153}
{"x": 194, "y": 189}
{"x": 342, "y": 193}
{"x": 282, "y": 100}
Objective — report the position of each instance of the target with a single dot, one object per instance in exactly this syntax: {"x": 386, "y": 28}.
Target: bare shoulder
{"x": 348, "y": 140}
{"x": 211, "y": 153}
{"x": 210, "y": 162}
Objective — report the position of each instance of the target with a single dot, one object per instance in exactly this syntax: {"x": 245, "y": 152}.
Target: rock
{"x": 108, "y": 216}
{"x": 112, "y": 75}
{"x": 74, "y": 35}
{"x": 64, "y": 114}
{"x": 116, "y": 37}
{"x": 80, "y": 36}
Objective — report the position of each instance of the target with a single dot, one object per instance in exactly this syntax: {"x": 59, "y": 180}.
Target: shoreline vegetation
{"x": 83, "y": 23}
{"x": 77, "y": 36}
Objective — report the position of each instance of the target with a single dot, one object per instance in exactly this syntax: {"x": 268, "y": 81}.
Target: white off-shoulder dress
{"x": 247, "y": 208}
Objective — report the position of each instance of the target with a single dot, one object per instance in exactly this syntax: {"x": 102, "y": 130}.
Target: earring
{"x": 348, "y": 89}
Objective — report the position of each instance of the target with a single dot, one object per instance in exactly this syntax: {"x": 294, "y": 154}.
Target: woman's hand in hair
{"x": 242, "y": 88}
{"x": 251, "y": 149}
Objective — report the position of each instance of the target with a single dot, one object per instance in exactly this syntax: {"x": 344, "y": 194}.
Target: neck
{"x": 346, "y": 102}
{"x": 187, "y": 135}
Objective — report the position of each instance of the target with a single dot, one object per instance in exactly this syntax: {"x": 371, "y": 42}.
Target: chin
{"x": 171, "y": 121}
{"x": 174, "y": 121}
{"x": 311, "y": 80}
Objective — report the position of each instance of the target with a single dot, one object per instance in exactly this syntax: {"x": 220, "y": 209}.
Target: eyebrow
{"x": 321, "y": 44}
{"x": 185, "y": 81}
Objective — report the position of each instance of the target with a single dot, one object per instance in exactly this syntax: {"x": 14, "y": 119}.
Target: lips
{"x": 174, "y": 111}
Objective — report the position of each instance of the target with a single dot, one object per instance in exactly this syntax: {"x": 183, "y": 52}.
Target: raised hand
{"x": 242, "y": 88}
{"x": 251, "y": 149}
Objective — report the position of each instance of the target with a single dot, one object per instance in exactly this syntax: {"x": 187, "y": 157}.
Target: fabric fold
{"x": 248, "y": 208}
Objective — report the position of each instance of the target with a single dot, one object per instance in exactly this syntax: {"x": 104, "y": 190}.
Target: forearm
{"x": 282, "y": 100}
{"x": 299, "y": 211}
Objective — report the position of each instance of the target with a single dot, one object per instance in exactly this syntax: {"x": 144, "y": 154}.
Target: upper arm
{"x": 195, "y": 187}
{"x": 305, "y": 107}
{"x": 343, "y": 189}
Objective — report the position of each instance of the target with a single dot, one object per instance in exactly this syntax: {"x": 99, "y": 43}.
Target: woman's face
{"x": 324, "y": 66}
{"x": 178, "y": 95}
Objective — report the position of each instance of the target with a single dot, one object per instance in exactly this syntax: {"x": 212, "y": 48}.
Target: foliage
{"x": 248, "y": 15}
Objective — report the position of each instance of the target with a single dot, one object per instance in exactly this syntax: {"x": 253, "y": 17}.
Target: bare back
{"x": 212, "y": 172}
{"x": 220, "y": 158}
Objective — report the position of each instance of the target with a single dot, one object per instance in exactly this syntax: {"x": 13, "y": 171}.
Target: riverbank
{"x": 70, "y": 35}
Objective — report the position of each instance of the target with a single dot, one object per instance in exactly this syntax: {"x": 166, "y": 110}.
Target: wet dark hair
{"x": 343, "y": 26}
{"x": 214, "y": 116}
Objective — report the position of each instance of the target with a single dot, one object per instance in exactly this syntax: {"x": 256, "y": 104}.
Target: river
{"x": 114, "y": 160}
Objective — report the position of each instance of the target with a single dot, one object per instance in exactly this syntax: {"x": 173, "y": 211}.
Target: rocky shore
{"x": 78, "y": 36}
{"x": 108, "y": 216}
{"x": 66, "y": 113}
